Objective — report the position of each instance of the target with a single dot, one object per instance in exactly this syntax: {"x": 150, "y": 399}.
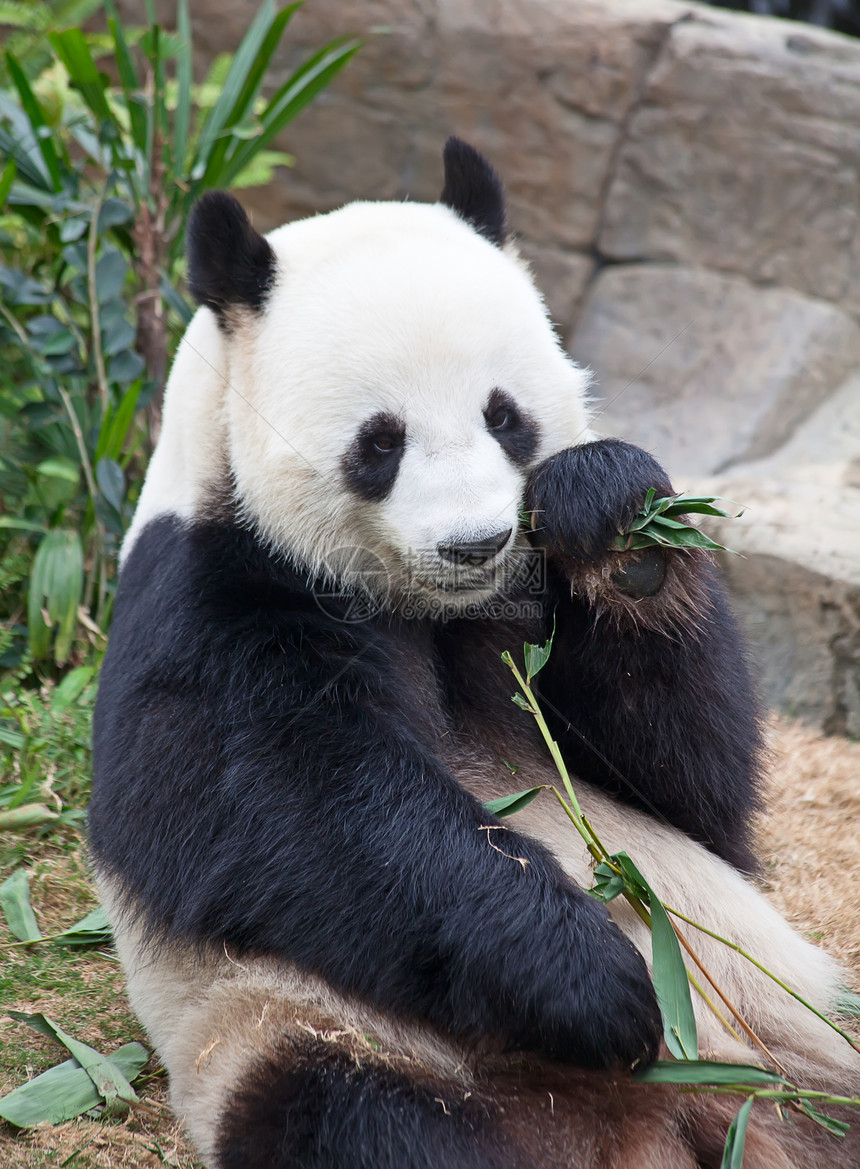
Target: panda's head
{"x": 385, "y": 379}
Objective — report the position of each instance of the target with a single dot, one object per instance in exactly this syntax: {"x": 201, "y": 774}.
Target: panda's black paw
{"x": 615, "y": 1020}
{"x": 580, "y": 498}
{"x": 582, "y": 991}
{"x": 626, "y": 1028}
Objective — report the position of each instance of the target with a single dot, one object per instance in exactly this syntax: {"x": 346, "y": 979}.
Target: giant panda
{"x": 376, "y": 474}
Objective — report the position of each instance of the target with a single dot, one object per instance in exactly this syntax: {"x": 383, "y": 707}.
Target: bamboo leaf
{"x": 26, "y": 816}
{"x": 219, "y": 115}
{"x": 21, "y": 525}
{"x": 733, "y": 1151}
{"x": 18, "y": 142}
{"x": 130, "y": 84}
{"x": 74, "y": 52}
{"x": 701, "y": 507}
{"x": 13, "y": 739}
{"x": 66, "y": 1091}
{"x": 537, "y": 656}
{"x": 254, "y": 69}
{"x": 839, "y": 1128}
{"x": 7, "y": 178}
{"x": 56, "y": 583}
{"x": 688, "y": 537}
{"x": 607, "y": 884}
{"x": 111, "y": 271}
{"x": 59, "y": 469}
{"x": 41, "y": 129}
{"x": 117, "y": 425}
{"x": 182, "y": 117}
{"x": 15, "y": 903}
{"x": 633, "y": 879}
{"x": 109, "y": 1080}
{"x": 111, "y": 482}
{"x": 655, "y": 523}
{"x": 71, "y": 687}
{"x": 508, "y": 805}
{"x": 92, "y": 930}
{"x": 665, "y": 522}
{"x": 705, "y": 1071}
{"x": 671, "y": 983}
{"x": 290, "y": 100}
{"x": 260, "y": 170}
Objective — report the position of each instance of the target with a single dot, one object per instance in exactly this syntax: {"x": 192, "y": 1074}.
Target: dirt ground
{"x": 809, "y": 839}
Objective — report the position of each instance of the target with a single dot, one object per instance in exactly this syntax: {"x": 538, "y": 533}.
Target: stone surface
{"x": 744, "y": 155}
{"x": 804, "y": 634}
{"x": 543, "y": 88}
{"x": 563, "y": 277}
{"x": 707, "y": 370}
{"x": 797, "y": 581}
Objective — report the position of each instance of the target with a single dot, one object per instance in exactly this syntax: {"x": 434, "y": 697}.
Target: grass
{"x": 47, "y": 760}
{"x": 84, "y": 991}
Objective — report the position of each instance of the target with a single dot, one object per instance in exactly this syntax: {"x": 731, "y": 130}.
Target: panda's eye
{"x": 515, "y": 432}
{"x": 500, "y": 413}
{"x": 500, "y": 420}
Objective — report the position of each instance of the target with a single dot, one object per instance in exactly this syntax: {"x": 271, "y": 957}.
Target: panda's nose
{"x": 477, "y": 552}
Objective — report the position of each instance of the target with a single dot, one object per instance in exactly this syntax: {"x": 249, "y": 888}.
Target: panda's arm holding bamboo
{"x": 650, "y": 695}
{"x": 276, "y": 767}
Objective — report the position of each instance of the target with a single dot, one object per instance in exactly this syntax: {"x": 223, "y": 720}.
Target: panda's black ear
{"x": 474, "y": 190}
{"x": 229, "y": 264}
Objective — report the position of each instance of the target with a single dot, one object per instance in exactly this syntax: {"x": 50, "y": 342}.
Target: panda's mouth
{"x": 466, "y": 583}
{"x": 482, "y": 581}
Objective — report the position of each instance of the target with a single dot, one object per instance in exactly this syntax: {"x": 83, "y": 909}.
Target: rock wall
{"x": 685, "y": 182}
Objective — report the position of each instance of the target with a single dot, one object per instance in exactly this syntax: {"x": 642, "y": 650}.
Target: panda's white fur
{"x": 404, "y": 309}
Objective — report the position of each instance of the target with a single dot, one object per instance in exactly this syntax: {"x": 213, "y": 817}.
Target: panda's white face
{"x": 393, "y": 396}
{"x": 380, "y": 410}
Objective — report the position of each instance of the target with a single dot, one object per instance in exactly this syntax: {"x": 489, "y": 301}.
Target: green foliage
{"x": 98, "y": 171}
{"x": 661, "y": 522}
{"x": 45, "y": 753}
{"x": 92, "y": 930}
{"x": 88, "y": 1080}
{"x": 508, "y": 805}
{"x": 15, "y": 903}
{"x": 68, "y": 1090}
{"x": 31, "y": 21}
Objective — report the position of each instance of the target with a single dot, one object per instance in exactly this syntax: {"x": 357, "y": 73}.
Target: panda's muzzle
{"x": 475, "y": 553}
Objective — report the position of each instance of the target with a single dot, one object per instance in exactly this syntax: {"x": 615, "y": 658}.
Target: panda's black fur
{"x": 277, "y": 783}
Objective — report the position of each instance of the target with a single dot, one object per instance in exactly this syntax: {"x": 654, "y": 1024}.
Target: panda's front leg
{"x": 648, "y": 686}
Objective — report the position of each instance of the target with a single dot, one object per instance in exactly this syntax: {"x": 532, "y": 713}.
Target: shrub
{"x": 98, "y": 171}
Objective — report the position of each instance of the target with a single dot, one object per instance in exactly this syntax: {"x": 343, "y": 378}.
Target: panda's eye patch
{"x": 372, "y": 459}
{"x": 514, "y": 431}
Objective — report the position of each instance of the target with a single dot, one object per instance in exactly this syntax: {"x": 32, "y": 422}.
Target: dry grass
{"x": 810, "y": 838}
{"x": 809, "y": 841}
{"x": 143, "y": 1141}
